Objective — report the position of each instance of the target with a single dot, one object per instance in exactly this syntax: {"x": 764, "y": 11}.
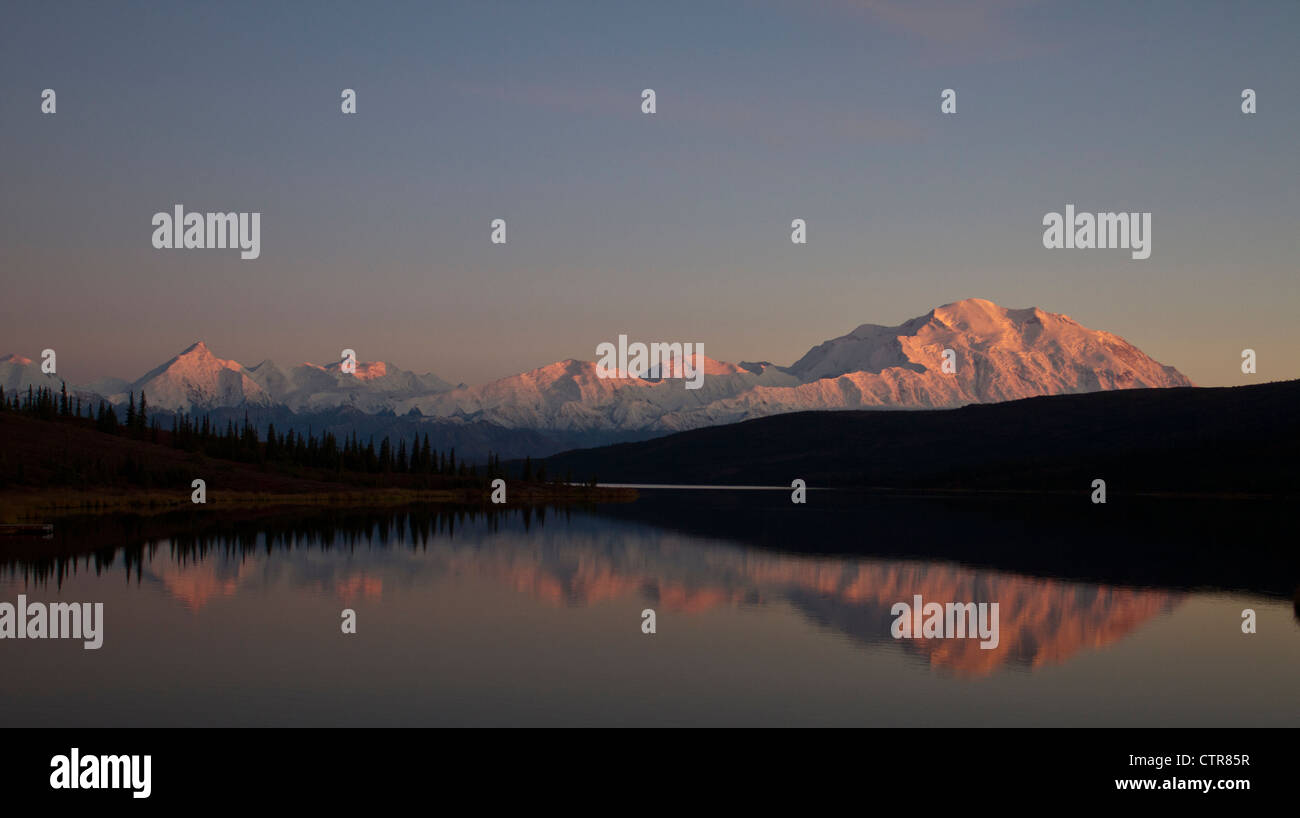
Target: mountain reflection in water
{"x": 456, "y": 601}
{"x": 581, "y": 562}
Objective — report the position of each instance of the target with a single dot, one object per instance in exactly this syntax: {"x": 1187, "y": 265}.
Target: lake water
{"x": 766, "y": 613}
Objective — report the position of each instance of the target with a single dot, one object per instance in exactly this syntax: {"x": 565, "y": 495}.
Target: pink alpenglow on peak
{"x": 361, "y": 370}
{"x": 971, "y": 351}
{"x": 199, "y": 379}
{"x": 1001, "y": 354}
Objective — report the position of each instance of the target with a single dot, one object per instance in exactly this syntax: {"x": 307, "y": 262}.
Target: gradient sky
{"x": 669, "y": 227}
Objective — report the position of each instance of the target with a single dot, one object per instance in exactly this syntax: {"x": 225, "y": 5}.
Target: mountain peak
{"x": 196, "y": 378}
{"x": 1001, "y": 354}
{"x": 972, "y": 303}
{"x": 971, "y": 308}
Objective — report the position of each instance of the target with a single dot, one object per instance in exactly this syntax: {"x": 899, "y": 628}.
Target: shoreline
{"x": 40, "y": 505}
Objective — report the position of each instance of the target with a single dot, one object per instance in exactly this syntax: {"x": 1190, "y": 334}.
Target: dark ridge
{"x": 1186, "y": 440}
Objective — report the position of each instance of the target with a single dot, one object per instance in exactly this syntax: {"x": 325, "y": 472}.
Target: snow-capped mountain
{"x": 1002, "y": 354}
{"x": 999, "y": 354}
{"x": 570, "y": 395}
{"x": 375, "y": 386}
{"x": 197, "y": 379}
{"x": 17, "y": 373}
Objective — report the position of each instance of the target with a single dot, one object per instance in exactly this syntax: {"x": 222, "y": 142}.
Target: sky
{"x": 672, "y": 226}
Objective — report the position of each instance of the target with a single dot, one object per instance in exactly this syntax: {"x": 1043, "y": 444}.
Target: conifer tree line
{"x": 44, "y": 404}
{"x": 244, "y": 444}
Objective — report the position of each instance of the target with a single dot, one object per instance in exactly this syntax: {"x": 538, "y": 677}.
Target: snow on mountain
{"x": 570, "y": 395}
{"x": 197, "y": 379}
{"x": 375, "y": 386}
{"x": 1000, "y": 354}
{"x": 17, "y": 373}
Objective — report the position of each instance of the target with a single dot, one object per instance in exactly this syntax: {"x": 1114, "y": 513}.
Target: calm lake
{"x": 766, "y": 613}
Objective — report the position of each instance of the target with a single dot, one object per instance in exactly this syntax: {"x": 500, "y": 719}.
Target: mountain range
{"x": 999, "y": 354}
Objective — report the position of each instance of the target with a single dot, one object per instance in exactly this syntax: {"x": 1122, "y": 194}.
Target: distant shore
{"x": 23, "y": 506}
